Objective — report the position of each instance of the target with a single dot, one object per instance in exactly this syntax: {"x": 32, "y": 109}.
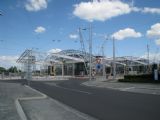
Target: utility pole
{"x": 90, "y": 51}
{"x": 114, "y": 59}
{"x": 103, "y": 59}
{"x": 148, "y": 55}
{"x": 103, "y": 62}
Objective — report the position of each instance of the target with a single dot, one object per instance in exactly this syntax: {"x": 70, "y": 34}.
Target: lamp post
{"x": 90, "y": 47}
{"x": 90, "y": 51}
{"x": 148, "y": 57}
{"x": 103, "y": 57}
{"x": 114, "y": 59}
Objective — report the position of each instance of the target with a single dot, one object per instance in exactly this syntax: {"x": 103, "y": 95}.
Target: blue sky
{"x": 52, "y": 24}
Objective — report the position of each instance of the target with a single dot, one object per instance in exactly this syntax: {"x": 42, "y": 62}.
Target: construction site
{"x": 74, "y": 63}
{"x": 81, "y": 63}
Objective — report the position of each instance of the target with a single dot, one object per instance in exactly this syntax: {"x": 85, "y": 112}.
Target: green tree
{"x": 13, "y": 69}
{"x": 2, "y": 69}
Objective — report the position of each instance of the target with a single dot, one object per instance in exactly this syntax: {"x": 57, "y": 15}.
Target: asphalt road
{"x": 102, "y": 103}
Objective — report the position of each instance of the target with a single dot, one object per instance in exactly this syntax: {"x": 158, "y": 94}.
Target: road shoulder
{"x": 144, "y": 88}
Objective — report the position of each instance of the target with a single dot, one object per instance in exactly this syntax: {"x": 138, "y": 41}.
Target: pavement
{"x": 9, "y": 92}
{"x": 103, "y": 104}
{"x": 50, "y": 109}
{"x": 19, "y": 102}
{"x": 144, "y": 88}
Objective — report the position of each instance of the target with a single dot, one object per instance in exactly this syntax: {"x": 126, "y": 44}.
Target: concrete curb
{"x": 19, "y": 107}
{"x": 67, "y": 108}
{"x": 76, "y": 112}
{"x": 20, "y": 110}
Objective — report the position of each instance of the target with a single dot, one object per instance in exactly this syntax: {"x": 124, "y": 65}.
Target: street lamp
{"x": 114, "y": 59}
{"x": 90, "y": 51}
{"x": 148, "y": 48}
{"x": 90, "y": 47}
{"x": 103, "y": 55}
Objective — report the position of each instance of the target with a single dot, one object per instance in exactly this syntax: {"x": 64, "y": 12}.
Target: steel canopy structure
{"x": 31, "y": 58}
{"x": 67, "y": 56}
{"x": 77, "y": 54}
{"x": 69, "y": 59}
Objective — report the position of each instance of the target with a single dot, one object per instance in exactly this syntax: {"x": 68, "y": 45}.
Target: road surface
{"x": 102, "y": 103}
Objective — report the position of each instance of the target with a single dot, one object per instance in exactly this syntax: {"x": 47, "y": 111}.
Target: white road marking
{"x": 74, "y": 90}
{"x": 128, "y": 88}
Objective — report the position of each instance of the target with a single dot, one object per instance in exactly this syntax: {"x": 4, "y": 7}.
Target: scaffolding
{"x": 27, "y": 59}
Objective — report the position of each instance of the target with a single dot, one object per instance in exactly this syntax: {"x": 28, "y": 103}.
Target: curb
{"x": 19, "y": 107}
{"x": 20, "y": 110}
{"x": 67, "y": 108}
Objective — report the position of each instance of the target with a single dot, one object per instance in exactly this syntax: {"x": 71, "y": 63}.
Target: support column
{"x": 104, "y": 67}
{"x": 54, "y": 70}
{"x": 73, "y": 69}
{"x": 114, "y": 60}
{"x": 62, "y": 69}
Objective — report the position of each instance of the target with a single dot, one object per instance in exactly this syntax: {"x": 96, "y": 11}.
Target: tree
{"x": 13, "y": 69}
{"x": 2, "y": 70}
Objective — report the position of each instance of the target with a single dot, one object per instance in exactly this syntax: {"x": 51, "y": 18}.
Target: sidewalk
{"x": 146, "y": 88}
{"x": 49, "y": 109}
{"x": 9, "y": 92}
{"x": 34, "y": 105}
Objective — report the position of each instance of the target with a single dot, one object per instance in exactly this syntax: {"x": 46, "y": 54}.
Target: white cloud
{"x": 146, "y": 10}
{"x": 157, "y": 42}
{"x": 151, "y": 10}
{"x": 126, "y": 33}
{"x": 56, "y": 50}
{"x": 8, "y": 61}
{"x": 101, "y": 11}
{"x": 73, "y": 36}
{"x": 35, "y": 5}
{"x": 40, "y": 29}
{"x": 154, "y": 30}
{"x": 136, "y": 9}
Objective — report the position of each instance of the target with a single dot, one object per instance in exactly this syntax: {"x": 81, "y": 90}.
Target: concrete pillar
{"x": 73, "y": 67}
{"x": 62, "y": 69}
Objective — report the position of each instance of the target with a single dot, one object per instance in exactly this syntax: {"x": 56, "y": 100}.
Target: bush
{"x": 146, "y": 78}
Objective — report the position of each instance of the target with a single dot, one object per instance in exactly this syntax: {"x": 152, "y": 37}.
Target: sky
{"x": 52, "y": 25}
